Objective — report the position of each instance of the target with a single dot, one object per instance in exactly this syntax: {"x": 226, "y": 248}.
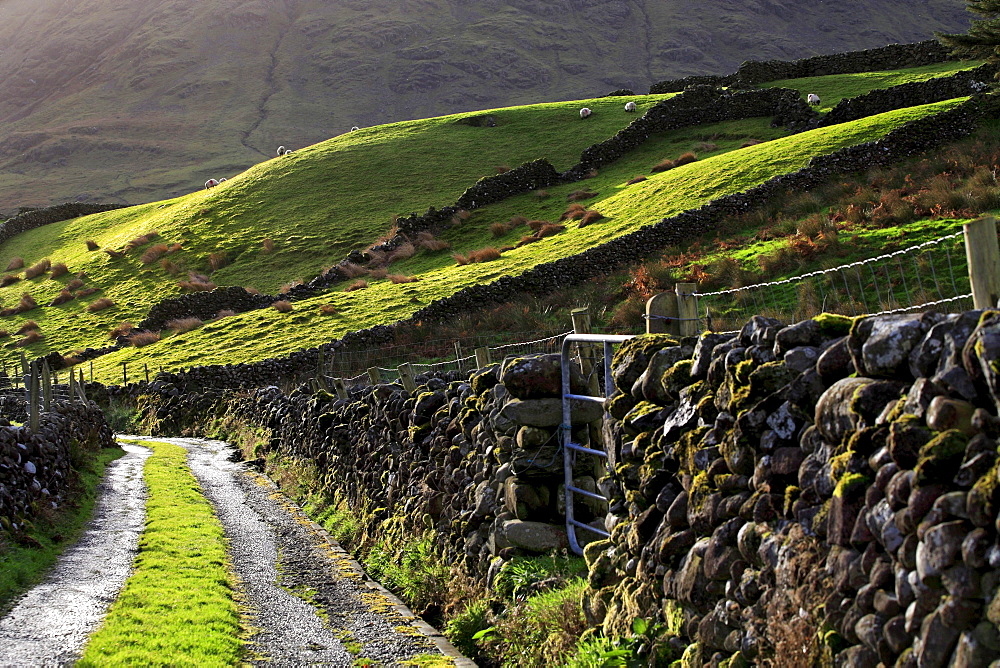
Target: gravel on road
{"x": 50, "y": 624}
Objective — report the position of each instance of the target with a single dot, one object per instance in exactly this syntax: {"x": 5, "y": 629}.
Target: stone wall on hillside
{"x": 829, "y": 485}
{"x": 37, "y": 469}
{"x": 29, "y": 220}
{"x": 753, "y": 72}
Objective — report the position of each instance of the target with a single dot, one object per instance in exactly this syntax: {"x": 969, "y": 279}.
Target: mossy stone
{"x": 939, "y": 458}
{"x": 632, "y": 358}
{"x": 833, "y": 325}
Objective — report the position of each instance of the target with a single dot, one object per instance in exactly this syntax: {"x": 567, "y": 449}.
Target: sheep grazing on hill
{"x": 281, "y": 150}
{"x": 211, "y": 183}
{"x": 813, "y": 99}
{"x": 355, "y": 128}
{"x": 585, "y": 112}
{"x": 288, "y": 151}
{"x": 222, "y": 179}
{"x": 630, "y": 106}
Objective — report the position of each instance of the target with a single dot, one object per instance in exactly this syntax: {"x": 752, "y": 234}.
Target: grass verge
{"x": 23, "y": 566}
{"x": 177, "y": 608}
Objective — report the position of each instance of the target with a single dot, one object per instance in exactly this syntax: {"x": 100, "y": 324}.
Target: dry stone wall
{"x": 753, "y": 72}
{"x": 38, "y": 468}
{"x": 830, "y": 484}
{"x": 33, "y": 218}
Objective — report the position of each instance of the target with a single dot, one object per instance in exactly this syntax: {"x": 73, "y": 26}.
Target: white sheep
{"x": 222, "y": 179}
{"x": 585, "y": 112}
{"x": 355, "y": 128}
{"x": 813, "y": 99}
{"x": 281, "y": 150}
{"x": 630, "y": 106}
{"x": 211, "y": 183}
{"x": 288, "y": 151}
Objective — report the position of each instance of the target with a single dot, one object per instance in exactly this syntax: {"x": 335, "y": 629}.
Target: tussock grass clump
{"x": 549, "y": 230}
{"x": 100, "y": 305}
{"x": 26, "y": 327}
{"x": 573, "y": 212}
{"x": 705, "y": 147}
{"x": 140, "y": 339}
{"x": 251, "y": 290}
{"x": 751, "y": 142}
{"x": 267, "y": 245}
{"x": 63, "y": 297}
{"x": 282, "y": 306}
{"x": 487, "y": 254}
{"x": 9, "y": 279}
{"x": 141, "y": 240}
{"x": 590, "y": 217}
{"x": 86, "y": 292}
{"x": 74, "y": 284}
{"x": 153, "y": 253}
{"x": 114, "y": 254}
{"x": 428, "y": 242}
{"x": 498, "y": 230}
{"x": 541, "y": 194}
{"x": 359, "y": 284}
{"x": 15, "y": 264}
{"x": 26, "y": 303}
{"x": 181, "y": 325}
{"x": 460, "y": 217}
{"x": 662, "y": 166}
{"x": 92, "y": 245}
{"x": 578, "y": 195}
{"x": 403, "y": 251}
{"x": 178, "y": 601}
{"x": 224, "y": 313}
{"x": 123, "y": 329}
{"x": 502, "y": 169}
{"x": 4, "y": 334}
{"x": 351, "y": 270}
{"x": 379, "y": 273}
{"x": 685, "y": 158}
{"x": 327, "y": 309}
{"x": 634, "y": 180}
{"x": 59, "y": 269}
{"x": 197, "y": 283}
{"x": 37, "y": 269}
{"x": 169, "y": 267}
{"x": 217, "y": 261}
{"x": 34, "y": 336}
{"x": 400, "y": 278}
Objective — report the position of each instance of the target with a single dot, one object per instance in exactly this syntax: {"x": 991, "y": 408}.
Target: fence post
{"x": 34, "y": 397}
{"x": 458, "y": 355}
{"x": 91, "y": 371}
{"x": 483, "y": 359}
{"x": 340, "y": 388}
{"x": 374, "y": 375}
{"x": 124, "y": 373}
{"x": 83, "y": 391}
{"x": 581, "y": 325}
{"x": 71, "y": 387}
{"x": 983, "y": 253}
{"x": 658, "y": 309}
{"x": 687, "y": 308}
{"x": 406, "y": 377}
{"x": 46, "y": 387}
{"x": 145, "y": 368}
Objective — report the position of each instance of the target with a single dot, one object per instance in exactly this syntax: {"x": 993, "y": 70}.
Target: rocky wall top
{"x": 754, "y": 72}
{"x": 29, "y": 220}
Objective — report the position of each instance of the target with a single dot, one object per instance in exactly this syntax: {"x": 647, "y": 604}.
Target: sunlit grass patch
{"x": 177, "y": 607}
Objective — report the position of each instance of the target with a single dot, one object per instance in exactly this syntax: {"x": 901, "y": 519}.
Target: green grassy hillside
{"x": 297, "y": 200}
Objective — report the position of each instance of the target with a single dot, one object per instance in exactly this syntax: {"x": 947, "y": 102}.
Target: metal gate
{"x": 572, "y": 450}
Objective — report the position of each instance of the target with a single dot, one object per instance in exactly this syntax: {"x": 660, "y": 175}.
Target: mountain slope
{"x": 134, "y": 102}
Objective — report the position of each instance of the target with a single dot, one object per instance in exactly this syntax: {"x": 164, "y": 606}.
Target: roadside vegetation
{"x": 177, "y": 607}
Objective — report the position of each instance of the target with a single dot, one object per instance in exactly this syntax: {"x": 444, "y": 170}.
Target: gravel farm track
{"x": 304, "y": 600}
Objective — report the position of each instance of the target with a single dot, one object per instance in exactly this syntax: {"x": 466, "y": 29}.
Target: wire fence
{"x": 934, "y": 274}
{"x": 360, "y": 366}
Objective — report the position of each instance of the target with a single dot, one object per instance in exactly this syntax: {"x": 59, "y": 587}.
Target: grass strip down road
{"x": 177, "y": 608}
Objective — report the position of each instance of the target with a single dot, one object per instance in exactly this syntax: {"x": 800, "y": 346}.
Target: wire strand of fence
{"x": 925, "y": 275}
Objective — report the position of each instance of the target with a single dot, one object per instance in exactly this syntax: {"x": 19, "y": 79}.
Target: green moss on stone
{"x": 850, "y": 484}
{"x": 831, "y": 324}
{"x": 939, "y": 458}
{"x": 678, "y": 376}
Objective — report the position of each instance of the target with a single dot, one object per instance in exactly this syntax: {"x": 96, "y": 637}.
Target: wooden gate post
{"x": 662, "y": 314}
{"x": 687, "y": 309}
{"x": 46, "y": 387}
{"x": 406, "y": 377}
{"x": 581, "y": 325}
{"x": 983, "y": 253}
{"x": 31, "y": 380}
{"x": 374, "y": 375}
{"x": 483, "y": 358}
